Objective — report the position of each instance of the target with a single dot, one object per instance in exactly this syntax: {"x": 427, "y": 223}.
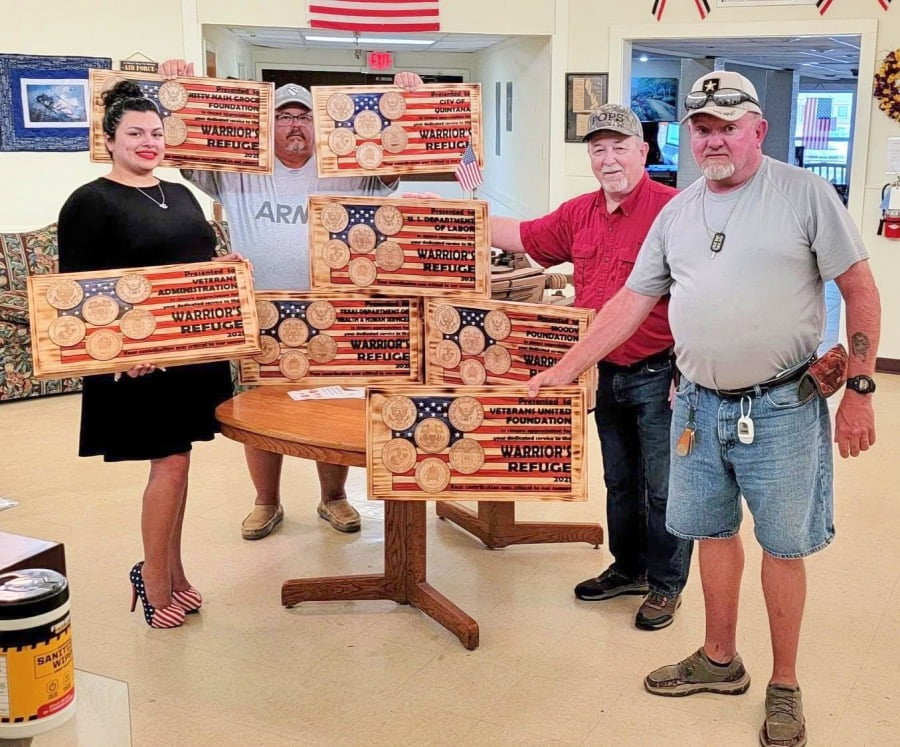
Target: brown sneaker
{"x": 340, "y": 514}
{"x": 697, "y": 674}
{"x": 261, "y": 521}
{"x": 784, "y": 725}
{"x": 657, "y": 611}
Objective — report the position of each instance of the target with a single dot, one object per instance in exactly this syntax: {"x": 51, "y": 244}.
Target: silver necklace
{"x": 718, "y": 237}
{"x": 156, "y": 202}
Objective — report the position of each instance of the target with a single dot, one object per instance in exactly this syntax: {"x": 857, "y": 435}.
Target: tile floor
{"x": 549, "y": 671}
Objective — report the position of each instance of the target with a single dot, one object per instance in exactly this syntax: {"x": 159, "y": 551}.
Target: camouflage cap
{"x": 614, "y": 118}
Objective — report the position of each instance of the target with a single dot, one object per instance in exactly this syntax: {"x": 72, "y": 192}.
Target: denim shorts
{"x": 785, "y": 474}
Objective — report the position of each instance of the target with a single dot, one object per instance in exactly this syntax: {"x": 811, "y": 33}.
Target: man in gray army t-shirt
{"x": 744, "y": 252}
{"x": 267, "y": 222}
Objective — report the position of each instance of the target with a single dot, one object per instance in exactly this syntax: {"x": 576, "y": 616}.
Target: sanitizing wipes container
{"x": 37, "y": 677}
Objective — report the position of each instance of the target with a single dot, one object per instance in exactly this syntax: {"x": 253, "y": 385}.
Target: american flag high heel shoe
{"x": 188, "y": 599}
{"x": 170, "y": 616}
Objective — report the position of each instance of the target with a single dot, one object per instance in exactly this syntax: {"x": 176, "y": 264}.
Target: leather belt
{"x": 759, "y": 389}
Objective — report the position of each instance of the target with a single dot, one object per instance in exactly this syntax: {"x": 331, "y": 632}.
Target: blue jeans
{"x": 633, "y": 419}
{"x": 785, "y": 475}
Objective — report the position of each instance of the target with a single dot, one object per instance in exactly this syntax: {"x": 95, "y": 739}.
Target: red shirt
{"x": 603, "y": 247}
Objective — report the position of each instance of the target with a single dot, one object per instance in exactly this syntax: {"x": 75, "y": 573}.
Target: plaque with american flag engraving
{"x": 493, "y": 443}
{"x": 213, "y": 124}
{"x": 187, "y": 313}
{"x": 511, "y": 341}
{"x": 348, "y": 341}
{"x": 425, "y": 131}
{"x": 420, "y": 247}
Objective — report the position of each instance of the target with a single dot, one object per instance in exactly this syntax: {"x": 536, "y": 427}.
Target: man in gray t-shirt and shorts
{"x": 744, "y": 252}
{"x": 267, "y": 223}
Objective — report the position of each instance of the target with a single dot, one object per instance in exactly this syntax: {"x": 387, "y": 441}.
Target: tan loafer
{"x": 261, "y": 521}
{"x": 340, "y": 514}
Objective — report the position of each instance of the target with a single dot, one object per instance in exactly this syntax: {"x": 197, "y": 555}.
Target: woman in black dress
{"x": 129, "y": 218}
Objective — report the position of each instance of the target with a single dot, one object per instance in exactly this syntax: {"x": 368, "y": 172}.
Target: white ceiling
{"x": 820, "y": 57}
{"x": 436, "y": 42}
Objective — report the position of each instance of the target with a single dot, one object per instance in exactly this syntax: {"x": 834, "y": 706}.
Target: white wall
{"x": 234, "y": 57}
{"x": 518, "y": 180}
{"x": 33, "y": 186}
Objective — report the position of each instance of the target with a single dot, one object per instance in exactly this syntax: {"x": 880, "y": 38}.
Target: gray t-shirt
{"x": 268, "y": 216}
{"x": 755, "y": 308}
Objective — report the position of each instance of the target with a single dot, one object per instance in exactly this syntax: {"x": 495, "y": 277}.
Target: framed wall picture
{"x": 655, "y": 99}
{"x": 45, "y": 102}
{"x": 584, "y": 93}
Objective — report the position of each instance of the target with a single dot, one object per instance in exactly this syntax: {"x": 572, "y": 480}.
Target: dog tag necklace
{"x": 718, "y": 237}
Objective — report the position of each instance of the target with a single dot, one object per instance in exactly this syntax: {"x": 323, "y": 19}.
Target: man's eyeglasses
{"x": 722, "y": 97}
{"x": 285, "y": 120}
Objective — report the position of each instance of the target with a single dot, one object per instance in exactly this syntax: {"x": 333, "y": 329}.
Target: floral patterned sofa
{"x": 31, "y": 253}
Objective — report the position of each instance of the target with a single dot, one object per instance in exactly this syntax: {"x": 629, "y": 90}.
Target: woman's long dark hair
{"x": 125, "y": 96}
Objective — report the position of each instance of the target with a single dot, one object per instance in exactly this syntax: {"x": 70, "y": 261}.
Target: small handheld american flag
{"x": 467, "y": 173}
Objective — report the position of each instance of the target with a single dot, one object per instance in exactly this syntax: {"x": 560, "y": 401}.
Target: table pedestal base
{"x": 403, "y": 580}
{"x": 496, "y": 526}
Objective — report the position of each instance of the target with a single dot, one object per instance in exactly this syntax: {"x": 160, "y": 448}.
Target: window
{"x": 823, "y": 125}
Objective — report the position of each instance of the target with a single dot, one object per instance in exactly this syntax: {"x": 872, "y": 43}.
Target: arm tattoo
{"x": 859, "y": 344}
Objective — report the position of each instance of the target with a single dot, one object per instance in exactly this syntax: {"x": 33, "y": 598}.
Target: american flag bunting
{"x": 659, "y": 7}
{"x": 824, "y": 5}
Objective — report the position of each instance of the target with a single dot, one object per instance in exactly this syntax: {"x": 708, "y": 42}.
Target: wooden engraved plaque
{"x": 371, "y": 130}
{"x": 312, "y": 339}
{"x": 475, "y": 342}
{"x": 475, "y": 443}
{"x": 218, "y": 125}
{"x": 110, "y": 320}
{"x": 398, "y": 247}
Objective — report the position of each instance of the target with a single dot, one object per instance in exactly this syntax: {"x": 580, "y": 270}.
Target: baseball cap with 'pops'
{"x": 613, "y": 118}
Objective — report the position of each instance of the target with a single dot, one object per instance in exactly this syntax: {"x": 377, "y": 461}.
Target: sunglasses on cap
{"x": 721, "y": 97}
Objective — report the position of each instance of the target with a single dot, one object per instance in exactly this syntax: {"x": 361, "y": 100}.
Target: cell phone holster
{"x": 828, "y": 373}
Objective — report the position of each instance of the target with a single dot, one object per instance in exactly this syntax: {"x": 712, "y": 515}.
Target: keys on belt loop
{"x": 744, "y": 423}
{"x": 685, "y": 444}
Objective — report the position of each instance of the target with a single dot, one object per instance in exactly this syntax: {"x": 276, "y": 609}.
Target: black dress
{"x": 105, "y": 225}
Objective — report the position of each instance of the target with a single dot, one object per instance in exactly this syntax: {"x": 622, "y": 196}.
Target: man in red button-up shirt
{"x": 600, "y": 233}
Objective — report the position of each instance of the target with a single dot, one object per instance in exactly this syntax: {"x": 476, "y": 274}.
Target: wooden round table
{"x": 334, "y": 431}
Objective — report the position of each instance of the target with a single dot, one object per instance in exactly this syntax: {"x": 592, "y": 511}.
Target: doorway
{"x": 835, "y": 142}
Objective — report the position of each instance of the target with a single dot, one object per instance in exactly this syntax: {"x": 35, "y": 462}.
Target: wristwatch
{"x": 861, "y": 384}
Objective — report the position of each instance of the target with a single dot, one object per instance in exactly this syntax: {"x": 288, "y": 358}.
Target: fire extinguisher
{"x": 889, "y": 225}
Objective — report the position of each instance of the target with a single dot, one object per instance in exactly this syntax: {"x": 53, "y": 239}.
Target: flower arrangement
{"x": 887, "y": 85}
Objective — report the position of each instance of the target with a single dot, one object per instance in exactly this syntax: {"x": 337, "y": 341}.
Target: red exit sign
{"x": 379, "y": 60}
